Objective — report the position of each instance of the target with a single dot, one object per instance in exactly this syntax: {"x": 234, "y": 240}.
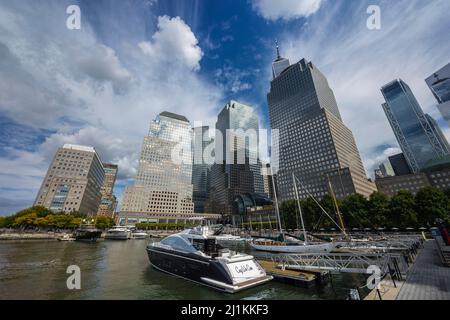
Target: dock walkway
{"x": 427, "y": 279}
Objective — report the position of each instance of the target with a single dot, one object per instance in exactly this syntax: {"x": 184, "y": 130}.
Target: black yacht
{"x": 87, "y": 232}
{"x": 194, "y": 255}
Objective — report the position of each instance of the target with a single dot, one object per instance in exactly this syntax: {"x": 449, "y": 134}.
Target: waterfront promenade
{"x": 427, "y": 279}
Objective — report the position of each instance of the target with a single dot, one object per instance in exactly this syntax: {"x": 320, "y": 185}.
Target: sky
{"x": 103, "y": 84}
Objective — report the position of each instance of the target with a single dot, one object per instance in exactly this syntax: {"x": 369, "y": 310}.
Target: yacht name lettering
{"x": 193, "y": 310}
{"x": 243, "y": 268}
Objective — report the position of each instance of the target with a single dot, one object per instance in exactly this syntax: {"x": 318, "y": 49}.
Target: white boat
{"x": 118, "y": 233}
{"x": 66, "y": 237}
{"x": 279, "y": 247}
{"x": 139, "y": 235}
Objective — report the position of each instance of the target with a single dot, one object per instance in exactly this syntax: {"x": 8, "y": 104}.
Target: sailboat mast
{"x": 299, "y": 209}
{"x": 338, "y": 212}
{"x": 276, "y": 201}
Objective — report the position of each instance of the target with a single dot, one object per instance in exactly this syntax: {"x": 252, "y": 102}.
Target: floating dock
{"x": 292, "y": 277}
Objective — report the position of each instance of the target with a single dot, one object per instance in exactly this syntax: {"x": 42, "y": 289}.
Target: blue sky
{"x": 103, "y": 84}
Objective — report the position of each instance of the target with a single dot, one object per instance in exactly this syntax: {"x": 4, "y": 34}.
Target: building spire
{"x": 278, "y": 49}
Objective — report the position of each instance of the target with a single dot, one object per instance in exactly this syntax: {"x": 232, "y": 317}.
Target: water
{"x": 121, "y": 270}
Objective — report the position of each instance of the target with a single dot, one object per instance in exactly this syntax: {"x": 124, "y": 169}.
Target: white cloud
{"x": 285, "y": 9}
{"x": 87, "y": 92}
{"x": 174, "y": 42}
{"x": 412, "y": 43}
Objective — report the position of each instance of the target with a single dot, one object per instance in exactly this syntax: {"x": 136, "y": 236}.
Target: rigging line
{"x": 324, "y": 211}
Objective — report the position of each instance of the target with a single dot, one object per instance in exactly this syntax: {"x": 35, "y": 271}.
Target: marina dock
{"x": 293, "y": 277}
{"x": 428, "y": 278}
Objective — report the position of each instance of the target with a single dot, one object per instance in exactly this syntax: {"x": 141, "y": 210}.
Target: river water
{"x": 121, "y": 270}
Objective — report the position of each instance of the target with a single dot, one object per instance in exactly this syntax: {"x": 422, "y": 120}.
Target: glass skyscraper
{"x": 163, "y": 186}
{"x": 229, "y": 176}
{"x": 439, "y": 84}
{"x": 200, "y": 168}
{"x": 419, "y": 138}
{"x": 314, "y": 142}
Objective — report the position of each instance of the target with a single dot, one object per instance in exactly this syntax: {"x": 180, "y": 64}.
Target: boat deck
{"x": 299, "y": 278}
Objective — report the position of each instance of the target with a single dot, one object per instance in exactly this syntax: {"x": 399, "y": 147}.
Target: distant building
{"x": 436, "y": 174}
{"x": 73, "y": 181}
{"x": 416, "y": 135}
{"x": 253, "y": 210}
{"x": 399, "y": 165}
{"x": 200, "y": 169}
{"x": 411, "y": 182}
{"x": 108, "y": 202}
{"x": 270, "y": 180}
{"x": 314, "y": 143}
{"x": 230, "y": 177}
{"x": 162, "y": 191}
{"x": 386, "y": 169}
{"x": 439, "y": 84}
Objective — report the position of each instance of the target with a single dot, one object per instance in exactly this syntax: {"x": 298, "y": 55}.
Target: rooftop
{"x": 174, "y": 116}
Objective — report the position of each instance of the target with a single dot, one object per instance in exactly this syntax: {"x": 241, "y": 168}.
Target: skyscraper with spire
{"x": 314, "y": 143}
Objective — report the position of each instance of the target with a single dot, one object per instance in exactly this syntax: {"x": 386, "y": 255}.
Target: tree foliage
{"x": 404, "y": 210}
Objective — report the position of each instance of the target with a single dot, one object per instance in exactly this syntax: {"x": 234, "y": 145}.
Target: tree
{"x": 355, "y": 211}
{"x": 26, "y": 220}
{"x": 103, "y": 222}
{"x": 378, "y": 210}
{"x": 289, "y": 213}
{"x": 431, "y": 203}
{"x": 402, "y": 210}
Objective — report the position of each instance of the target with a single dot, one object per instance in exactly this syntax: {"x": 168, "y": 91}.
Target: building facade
{"x": 200, "y": 168}
{"x": 73, "y": 181}
{"x": 410, "y": 182}
{"x": 314, "y": 143}
{"x": 163, "y": 183}
{"x": 237, "y": 168}
{"x": 108, "y": 202}
{"x": 439, "y": 84}
{"x": 416, "y": 135}
{"x": 399, "y": 165}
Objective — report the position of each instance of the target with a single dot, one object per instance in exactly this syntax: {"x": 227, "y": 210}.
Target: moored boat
{"x": 87, "y": 232}
{"x": 194, "y": 255}
{"x": 118, "y": 233}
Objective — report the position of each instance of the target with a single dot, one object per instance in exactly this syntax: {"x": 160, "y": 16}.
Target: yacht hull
{"x": 313, "y": 248}
{"x": 201, "y": 270}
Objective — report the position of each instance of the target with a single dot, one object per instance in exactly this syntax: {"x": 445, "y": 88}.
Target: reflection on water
{"x": 121, "y": 270}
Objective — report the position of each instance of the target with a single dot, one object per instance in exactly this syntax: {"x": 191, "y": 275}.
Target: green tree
{"x": 378, "y": 210}
{"x": 402, "y": 210}
{"x": 289, "y": 214}
{"x": 103, "y": 222}
{"x": 26, "y": 220}
{"x": 431, "y": 203}
{"x": 355, "y": 211}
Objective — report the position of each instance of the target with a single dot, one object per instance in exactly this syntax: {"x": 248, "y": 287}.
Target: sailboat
{"x": 291, "y": 247}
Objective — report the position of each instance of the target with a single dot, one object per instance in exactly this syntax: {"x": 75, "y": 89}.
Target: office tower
{"x": 439, "y": 84}
{"x": 270, "y": 180}
{"x": 200, "y": 168}
{"x": 386, "y": 169}
{"x": 237, "y": 169}
{"x": 162, "y": 190}
{"x": 108, "y": 202}
{"x": 73, "y": 181}
{"x": 399, "y": 165}
{"x": 314, "y": 142}
{"x": 415, "y": 134}
{"x": 280, "y": 64}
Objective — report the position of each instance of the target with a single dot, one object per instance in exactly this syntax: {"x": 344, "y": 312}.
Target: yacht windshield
{"x": 178, "y": 243}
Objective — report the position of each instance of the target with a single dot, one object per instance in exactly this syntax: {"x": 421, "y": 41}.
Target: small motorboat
{"x": 87, "y": 232}
{"x": 139, "y": 235}
{"x": 118, "y": 233}
{"x": 66, "y": 237}
{"x": 194, "y": 255}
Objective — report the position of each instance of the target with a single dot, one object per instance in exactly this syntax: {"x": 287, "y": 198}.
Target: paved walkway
{"x": 427, "y": 279}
